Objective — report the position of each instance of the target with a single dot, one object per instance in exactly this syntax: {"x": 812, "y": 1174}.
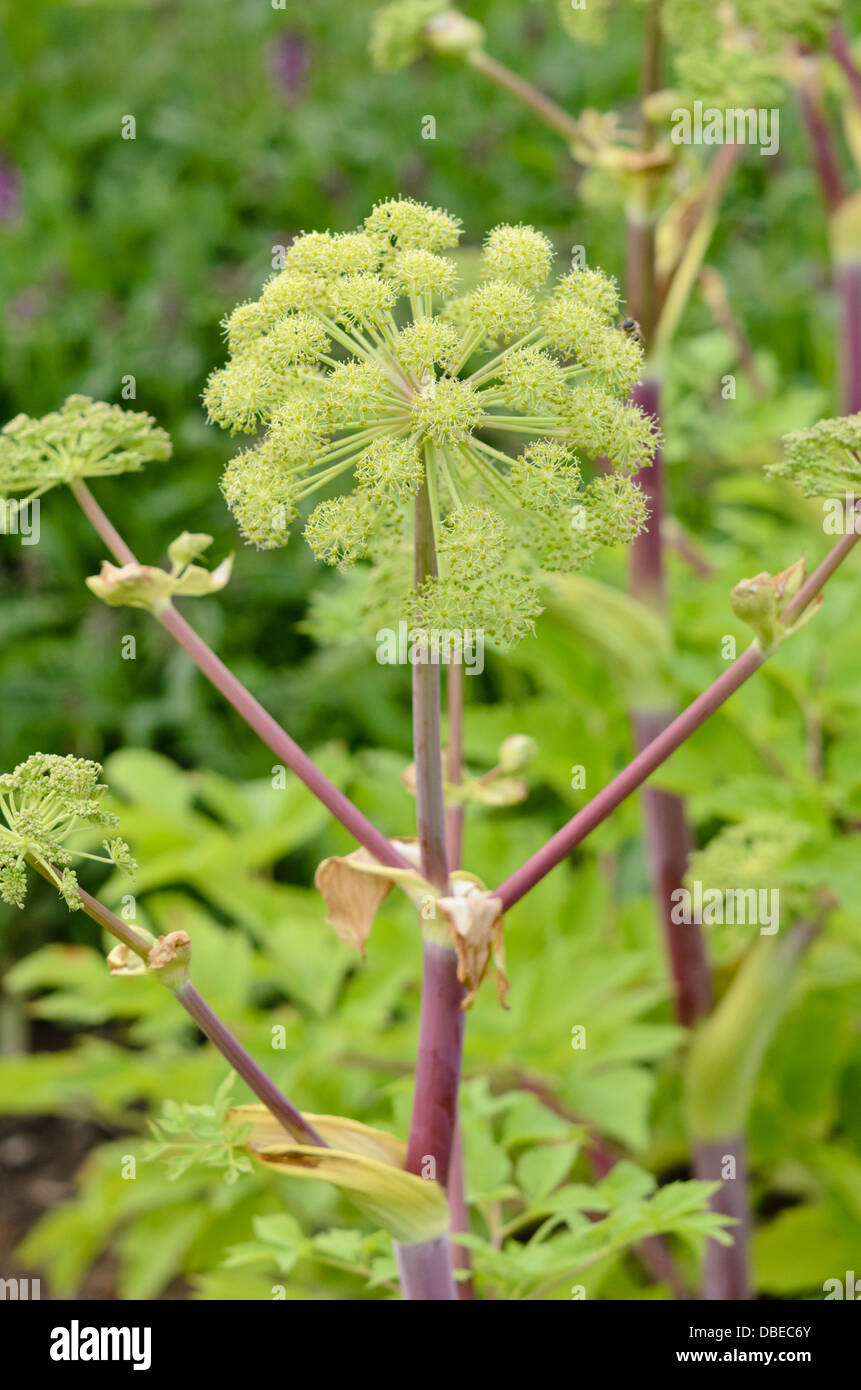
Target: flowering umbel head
{"x": 82, "y": 439}
{"x": 825, "y": 460}
{"x": 146, "y": 586}
{"x": 360, "y": 362}
{"x": 403, "y": 31}
{"x": 43, "y": 802}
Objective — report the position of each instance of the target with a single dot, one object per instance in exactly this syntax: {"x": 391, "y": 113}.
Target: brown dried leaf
{"x": 354, "y": 885}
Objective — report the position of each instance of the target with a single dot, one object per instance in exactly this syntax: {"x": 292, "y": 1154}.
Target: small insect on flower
{"x": 43, "y": 802}
{"x": 632, "y": 329}
{"x": 361, "y": 366}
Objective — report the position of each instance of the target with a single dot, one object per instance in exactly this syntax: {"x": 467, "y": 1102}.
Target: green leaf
{"x": 541, "y": 1169}
{"x": 801, "y": 1248}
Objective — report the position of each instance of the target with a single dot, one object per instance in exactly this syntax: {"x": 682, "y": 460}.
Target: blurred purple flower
{"x": 10, "y": 193}
{"x": 292, "y": 60}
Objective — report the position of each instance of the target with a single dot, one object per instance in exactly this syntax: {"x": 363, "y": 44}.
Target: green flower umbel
{"x": 83, "y": 439}
{"x": 825, "y": 460}
{"x": 359, "y": 362}
{"x": 44, "y": 801}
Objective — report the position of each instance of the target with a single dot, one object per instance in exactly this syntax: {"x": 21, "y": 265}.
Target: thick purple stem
{"x": 843, "y": 53}
{"x": 669, "y": 842}
{"x": 441, "y": 1026}
{"x": 425, "y": 1271}
{"x": 647, "y": 556}
{"x": 427, "y": 736}
{"x": 441, "y": 1032}
{"x": 726, "y": 1275}
{"x": 848, "y": 267}
{"x": 667, "y": 834}
{"x": 454, "y": 849}
{"x": 815, "y": 121}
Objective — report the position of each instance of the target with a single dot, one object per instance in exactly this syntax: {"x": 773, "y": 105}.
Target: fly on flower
{"x": 361, "y": 366}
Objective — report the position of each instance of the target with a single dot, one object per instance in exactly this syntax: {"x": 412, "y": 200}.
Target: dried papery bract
{"x": 84, "y": 439}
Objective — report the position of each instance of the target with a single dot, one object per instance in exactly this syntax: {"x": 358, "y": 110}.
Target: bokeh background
{"x": 120, "y": 257}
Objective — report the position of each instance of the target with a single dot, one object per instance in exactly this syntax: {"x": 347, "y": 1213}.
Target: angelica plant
{"x": 732, "y": 56}
{"x": 359, "y": 366}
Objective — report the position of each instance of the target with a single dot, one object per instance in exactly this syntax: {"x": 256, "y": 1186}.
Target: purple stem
{"x": 726, "y": 1274}
{"x": 669, "y": 841}
{"x": 441, "y": 1030}
{"x": 683, "y": 726}
{"x": 848, "y": 270}
{"x": 207, "y": 1021}
{"x": 454, "y": 850}
{"x": 848, "y": 275}
{"x": 822, "y": 152}
{"x": 282, "y": 745}
{"x": 647, "y": 558}
{"x": 435, "y": 1255}
{"x": 441, "y": 1026}
{"x": 244, "y": 1064}
{"x": 425, "y": 1271}
{"x": 427, "y": 735}
{"x": 632, "y": 777}
{"x": 843, "y": 53}
{"x": 668, "y": 837}
{"x": 250, "y": 709}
